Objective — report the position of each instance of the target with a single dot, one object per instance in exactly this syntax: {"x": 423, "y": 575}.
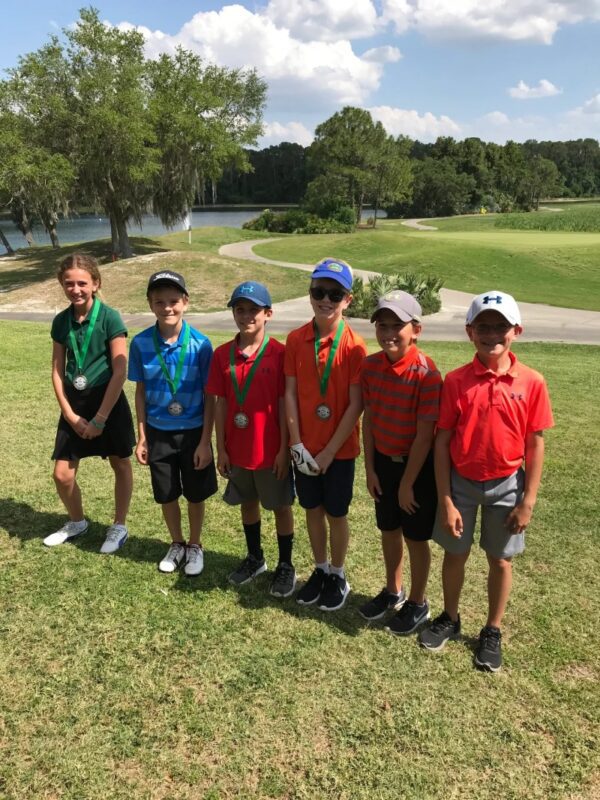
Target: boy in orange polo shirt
{"x": 493, "y": 414}
{"x": 246, "y": 377}
{"x": 323, "y": 402}
{"x": 401, "y": 393}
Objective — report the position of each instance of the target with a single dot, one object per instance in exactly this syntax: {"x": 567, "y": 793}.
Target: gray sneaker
{"x": 247, "y": 570}
{"x": 69, "y": 530}
{"x": 194, "y": 560}
{"x": 174, "y": 558}
{"x": 439, "y": 632}
{"x": 116, "y": 536}
{"x": 284, "y": 580}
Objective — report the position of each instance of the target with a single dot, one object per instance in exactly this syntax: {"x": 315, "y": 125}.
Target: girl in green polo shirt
{"x": 89, "y": 361}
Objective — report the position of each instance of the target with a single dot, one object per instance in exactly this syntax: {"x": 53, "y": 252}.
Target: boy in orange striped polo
{"x": 401, "y": 393}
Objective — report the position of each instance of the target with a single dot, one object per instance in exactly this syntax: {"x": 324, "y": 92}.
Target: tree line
{"x": 353, "y": 161}
{"x": 89, "y": 121}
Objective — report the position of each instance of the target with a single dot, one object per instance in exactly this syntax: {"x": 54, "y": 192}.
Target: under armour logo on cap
{"x": 501, "y": 302}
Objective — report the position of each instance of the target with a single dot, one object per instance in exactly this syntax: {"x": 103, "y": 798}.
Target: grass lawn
{"x": 120, "y": 682}
{"x": 558, "y": 268}
{"x": 30, "y": 282}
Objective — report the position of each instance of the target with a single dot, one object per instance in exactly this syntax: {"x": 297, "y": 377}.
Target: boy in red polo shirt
{"x": 493, "y": 414}
{"x": 323, "y": 402}
{"x": 401, "y": 393}
{"x": 246, "y": 376}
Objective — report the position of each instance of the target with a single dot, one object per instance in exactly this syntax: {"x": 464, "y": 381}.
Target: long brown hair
{"x": 80, "y": 261}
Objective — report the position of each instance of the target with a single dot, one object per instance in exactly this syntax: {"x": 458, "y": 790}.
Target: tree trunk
{"x": 22, "y": 222}
{"x": 214, "y": 192}
{"x": 124, "y": 243}
{"x": 6, "y": 243}
{"x": 114, "y": 235}
{"x": 49, "y": 223}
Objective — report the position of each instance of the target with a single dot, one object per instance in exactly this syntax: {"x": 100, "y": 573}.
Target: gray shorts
{"x": 497, "y": 499}
{"x": 246, "y": 485}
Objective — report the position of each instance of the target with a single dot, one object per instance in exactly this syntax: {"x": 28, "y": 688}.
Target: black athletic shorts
{"x": 333, "y": 490}
{"x": 390, "y": 517}
{"x": 171, "y": 461}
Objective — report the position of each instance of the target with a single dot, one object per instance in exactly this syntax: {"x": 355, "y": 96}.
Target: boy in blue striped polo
{"x": 169, "y": 363}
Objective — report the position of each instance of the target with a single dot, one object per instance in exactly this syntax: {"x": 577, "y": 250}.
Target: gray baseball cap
{"x": 402, "y": 304}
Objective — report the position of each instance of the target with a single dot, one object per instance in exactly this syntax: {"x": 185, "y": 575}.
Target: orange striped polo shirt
{"x": 399, "y": 395}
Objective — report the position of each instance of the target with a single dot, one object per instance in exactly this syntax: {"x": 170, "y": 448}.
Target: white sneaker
{"x": 68, "y": 531}
{"x": 174, "y": 558}
{"x": 194, "y": 562}
{"x": 116, "y": 536}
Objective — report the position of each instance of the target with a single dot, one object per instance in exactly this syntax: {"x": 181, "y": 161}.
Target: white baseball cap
{"x": 504, "y": 303}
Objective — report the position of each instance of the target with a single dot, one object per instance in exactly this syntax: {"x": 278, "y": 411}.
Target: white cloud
{"x": 312, "y": 74}
{"x": 275, "y": 132}
{"x": 382, "y": 55}
{"x": 496, "y": 118}
{"x": 424, "y": 127}
{"x": 324, "y": 20}
{"x": 524, "y": 92}
{"x": 514, "y": 20}
{"x": 592, "y": 106}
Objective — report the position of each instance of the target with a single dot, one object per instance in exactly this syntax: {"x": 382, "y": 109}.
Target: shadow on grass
{"x": 38, "y": 264}
{"x": 256, "y": 595}
{"x": 26, "y": 523}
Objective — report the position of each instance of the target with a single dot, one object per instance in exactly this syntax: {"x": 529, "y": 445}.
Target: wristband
{"x": 96, "y": 424}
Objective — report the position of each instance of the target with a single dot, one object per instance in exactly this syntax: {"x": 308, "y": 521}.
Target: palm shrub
{"x": 425, "y": 288}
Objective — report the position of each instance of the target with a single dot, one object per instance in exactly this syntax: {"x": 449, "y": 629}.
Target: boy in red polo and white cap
{"x": 493, "y": 413}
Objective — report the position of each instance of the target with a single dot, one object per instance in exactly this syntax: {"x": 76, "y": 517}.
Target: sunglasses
{"x": 335, "y": 295}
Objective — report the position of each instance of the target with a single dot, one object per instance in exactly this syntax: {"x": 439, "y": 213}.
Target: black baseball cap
{"x": 166, "y": 278}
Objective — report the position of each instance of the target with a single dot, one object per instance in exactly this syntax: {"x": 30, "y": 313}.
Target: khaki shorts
{"x": 497, "y": 499}
{"x": 246, "y": 485}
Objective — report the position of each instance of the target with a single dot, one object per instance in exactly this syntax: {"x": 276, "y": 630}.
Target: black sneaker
{"x": 311, "y": 591}
{"x": 488, "y": 655}
{"x": 381, "y": 603}
{"x": 284, "y": 580}
{"x": 410, "y": 617}
{"x": 247, "y": 570}
{"x": 334, "y": 593}
{"x": 437, "y": 634}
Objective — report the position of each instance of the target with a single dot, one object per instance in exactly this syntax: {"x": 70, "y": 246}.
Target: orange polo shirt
{"x": 491, "y": 416}
{"x": 399, "y": 394}
{"x": 300, "y": 363}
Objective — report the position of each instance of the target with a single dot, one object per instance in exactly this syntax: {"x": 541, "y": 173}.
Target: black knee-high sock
{"x": 252, "y": 533}
{"x": 285, "y": 544}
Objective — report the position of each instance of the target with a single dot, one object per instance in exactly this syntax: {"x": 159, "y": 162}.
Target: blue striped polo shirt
{"x": 144, "y": 367}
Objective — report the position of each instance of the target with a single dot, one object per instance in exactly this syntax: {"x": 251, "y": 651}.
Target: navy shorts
{"x": 171, "y": 461}
{"x": 333, "y": 490}
{"x": 389, "y": 515}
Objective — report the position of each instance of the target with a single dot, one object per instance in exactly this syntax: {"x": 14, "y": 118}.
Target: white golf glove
{"x": 303, "y": 460}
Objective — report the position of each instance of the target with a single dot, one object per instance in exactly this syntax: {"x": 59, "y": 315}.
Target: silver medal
{"x": 241, "y": 420}
{"x": 80, "y": 382}
{"x": 175, "y": 408}
{"x": 323, "y": 411}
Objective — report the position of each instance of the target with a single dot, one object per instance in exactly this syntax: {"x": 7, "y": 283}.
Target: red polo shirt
{"x": 399, "y": 394}
{"x": 256, "y": 446}
{"x": 345, "y": 371}
{"x": 491, "y": 416}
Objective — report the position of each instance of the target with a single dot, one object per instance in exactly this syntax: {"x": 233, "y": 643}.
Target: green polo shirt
{"x": 97, "y": 367}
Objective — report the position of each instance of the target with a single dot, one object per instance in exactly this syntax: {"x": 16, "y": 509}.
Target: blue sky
{"x": 506, "y": 69}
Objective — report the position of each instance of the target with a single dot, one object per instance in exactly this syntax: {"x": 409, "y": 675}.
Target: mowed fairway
{"x": 120, "y": 682}
{"x": 557, "y": 268}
